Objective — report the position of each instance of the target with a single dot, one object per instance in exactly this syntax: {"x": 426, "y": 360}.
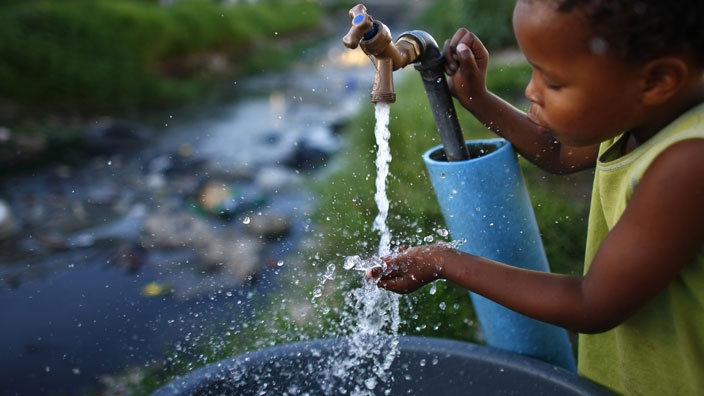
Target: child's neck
{"x": 662, "y": 117}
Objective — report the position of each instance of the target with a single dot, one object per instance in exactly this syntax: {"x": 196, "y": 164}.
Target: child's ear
{"x": 663, "y": 78}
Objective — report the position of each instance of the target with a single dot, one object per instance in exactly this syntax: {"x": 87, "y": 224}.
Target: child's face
{"x": 579, "y": 92}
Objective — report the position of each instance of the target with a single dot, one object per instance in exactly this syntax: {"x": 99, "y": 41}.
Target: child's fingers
{"x": 451, "y": 61}
{"x": 372, "y": 273}
{"x": 472, "y": 50}
{"x": 396, "y": 285}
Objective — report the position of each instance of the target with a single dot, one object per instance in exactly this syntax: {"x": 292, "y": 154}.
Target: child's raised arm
{"x": 466, "y": 65}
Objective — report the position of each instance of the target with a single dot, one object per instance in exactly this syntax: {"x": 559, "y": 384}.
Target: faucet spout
{"x": 416, "y": 47}
{"x": 386, "y": 61}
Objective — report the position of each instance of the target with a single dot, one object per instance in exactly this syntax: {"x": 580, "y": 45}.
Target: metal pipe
{"x": 430, "y": 64}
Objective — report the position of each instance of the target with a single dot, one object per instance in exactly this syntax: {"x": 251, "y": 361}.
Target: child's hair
{"x": 638, "y": 31}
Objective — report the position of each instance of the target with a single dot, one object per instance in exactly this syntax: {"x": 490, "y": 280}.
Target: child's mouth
{"x": 541, "y": 128}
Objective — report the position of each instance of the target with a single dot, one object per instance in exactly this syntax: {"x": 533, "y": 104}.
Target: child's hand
{"x": 466, "y": 61}
{"x": 410, "y": 268}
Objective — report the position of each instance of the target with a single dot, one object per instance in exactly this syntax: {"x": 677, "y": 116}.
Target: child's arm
{"x": 466, "y": 66}
{"x": 659, "y": 233}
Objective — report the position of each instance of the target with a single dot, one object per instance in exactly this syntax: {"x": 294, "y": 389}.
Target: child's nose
{"x": 531, "y": 92}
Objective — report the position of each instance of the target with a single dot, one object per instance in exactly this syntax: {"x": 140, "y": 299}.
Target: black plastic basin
{"x": 424, "y": 366}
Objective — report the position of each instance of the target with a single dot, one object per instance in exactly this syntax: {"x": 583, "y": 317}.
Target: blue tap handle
{"x": 363, "y": 27}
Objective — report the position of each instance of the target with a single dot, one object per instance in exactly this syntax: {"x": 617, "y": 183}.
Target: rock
{"x": 311, "y": 151}
{"x": 276, "y": 178}
{"x": 235, "y": 254}
{"x": 123, "y": 228}
{"x": 8, "y": 226}
{"x": 269, "y": 225}
{"x": 166, "y": 230}
{"x": 21, "y": 148}
{"x": 108, "y": 136}
{"x": 306, "y": 157}
{"x": 222, "y": 250}
{"x": 222, "y": 199}
{"x": 103, "y": 192}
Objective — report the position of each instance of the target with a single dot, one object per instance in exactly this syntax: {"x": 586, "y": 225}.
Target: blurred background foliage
{"x": 490, "y": 20}
{"x": 88, "y": 56}
{"x": 109, "y": 56}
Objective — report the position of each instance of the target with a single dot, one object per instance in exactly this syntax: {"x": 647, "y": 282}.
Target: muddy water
{"x": 116, "y": 261}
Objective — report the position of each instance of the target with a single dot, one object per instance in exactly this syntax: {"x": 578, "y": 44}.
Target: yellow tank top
{"x": 659, "y": 350}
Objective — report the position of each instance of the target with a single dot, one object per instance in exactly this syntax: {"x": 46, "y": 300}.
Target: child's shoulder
{"x": 683, "y": 132}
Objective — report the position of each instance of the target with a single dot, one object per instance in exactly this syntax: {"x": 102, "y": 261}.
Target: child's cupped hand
{"x": 409, "y": 269}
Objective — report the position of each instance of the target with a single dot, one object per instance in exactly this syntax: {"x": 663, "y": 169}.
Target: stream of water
{"x": 373, "y": 313}
{"x": 383, "y": 158}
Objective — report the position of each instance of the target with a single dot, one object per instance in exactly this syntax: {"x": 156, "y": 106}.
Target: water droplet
{"x": 246, "y": 220}
{"x": 433, "y": 289}
{"x": 351, "y": 262}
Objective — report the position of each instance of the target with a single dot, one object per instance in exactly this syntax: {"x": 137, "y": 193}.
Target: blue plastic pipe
{"x": 485, "y": 202}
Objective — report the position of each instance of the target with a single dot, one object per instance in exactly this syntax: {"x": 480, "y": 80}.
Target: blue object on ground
{"x": 485, "y": 203}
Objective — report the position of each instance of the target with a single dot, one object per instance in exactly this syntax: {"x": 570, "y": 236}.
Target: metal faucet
{"x": 375, "y": 40}
{"x": 420, "y": 48}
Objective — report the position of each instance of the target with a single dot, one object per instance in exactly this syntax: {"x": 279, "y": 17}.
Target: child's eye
{"x": 553, "y": 86}
{"x": 550, "y": 83}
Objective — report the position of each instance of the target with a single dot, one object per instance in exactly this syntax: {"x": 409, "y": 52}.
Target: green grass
{"x": 488, "y": 19}
{"x": 97, "y": 56}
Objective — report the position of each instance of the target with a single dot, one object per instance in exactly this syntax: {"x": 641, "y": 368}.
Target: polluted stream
{"x": 116, "y": 263}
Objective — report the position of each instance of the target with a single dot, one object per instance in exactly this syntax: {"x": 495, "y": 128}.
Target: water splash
{"x": 375, "y": 334}
{"x": 372, "y": 314}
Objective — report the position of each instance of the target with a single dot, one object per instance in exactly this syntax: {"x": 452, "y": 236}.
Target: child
{"x": 618, "y": 85}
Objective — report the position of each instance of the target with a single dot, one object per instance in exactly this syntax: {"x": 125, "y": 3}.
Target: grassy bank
{"x": 75, "y": 57}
